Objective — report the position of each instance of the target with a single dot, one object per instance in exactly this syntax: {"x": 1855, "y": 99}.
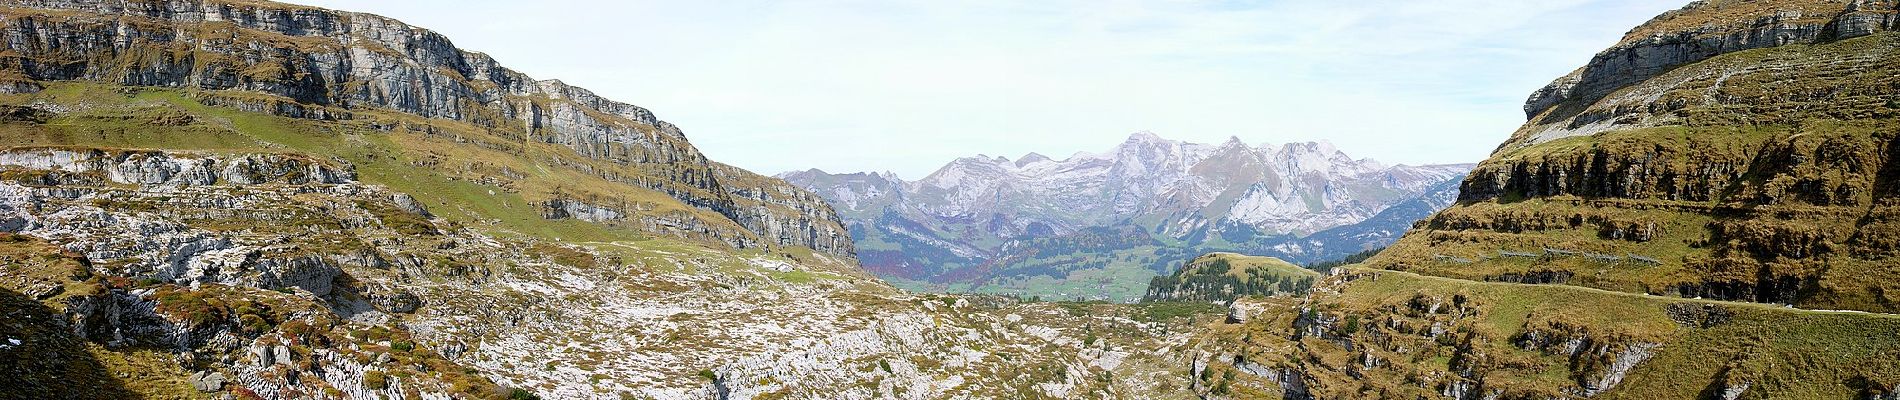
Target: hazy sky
{"x": 906, "y": 86}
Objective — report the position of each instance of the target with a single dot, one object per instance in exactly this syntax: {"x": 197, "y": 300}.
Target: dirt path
{"x": 1625, "y": 294}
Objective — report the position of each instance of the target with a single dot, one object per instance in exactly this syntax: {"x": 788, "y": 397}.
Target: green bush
{"x": 522, "y": 394}
{"x": 375, "y": 380}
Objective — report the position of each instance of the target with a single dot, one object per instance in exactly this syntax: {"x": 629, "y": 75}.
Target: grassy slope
{"x": 1244, "y": 266}
{"x": 1225, "y": 276}
{"x": 1786, "y": 353}
{"x": 1119, "y": 275}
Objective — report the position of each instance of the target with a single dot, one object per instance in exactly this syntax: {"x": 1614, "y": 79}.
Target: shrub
{"x": 375, "y": 380}
{"x": 254, "y": 324}
{"x": 522, "y": 394}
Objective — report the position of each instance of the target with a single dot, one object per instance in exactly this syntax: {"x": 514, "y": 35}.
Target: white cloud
{"x": 908, "y": 85}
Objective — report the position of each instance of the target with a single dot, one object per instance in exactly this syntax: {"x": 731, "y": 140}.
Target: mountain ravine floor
{"x": 210, "y": 199}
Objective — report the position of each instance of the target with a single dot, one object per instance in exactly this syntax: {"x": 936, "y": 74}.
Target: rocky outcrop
{"x": 575, "y": 209}
{"x": 208, "y": 382}
{"x": 308, "y": 62}
{"x": 241, "y": 267}
{"x": 140, "y": 229}
{"x": 785, "y": 212}
{"x": 1599, "y": 362}
{"x": 156, "y": 168}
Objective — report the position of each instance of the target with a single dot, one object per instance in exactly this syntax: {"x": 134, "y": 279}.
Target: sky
{"x": 907, "y": 86}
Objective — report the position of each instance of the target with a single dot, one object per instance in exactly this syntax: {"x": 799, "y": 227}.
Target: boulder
{"x": 207, "y": 381}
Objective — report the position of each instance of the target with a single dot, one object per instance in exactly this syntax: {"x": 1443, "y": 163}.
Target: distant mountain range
{"x": 1099, "y": 225}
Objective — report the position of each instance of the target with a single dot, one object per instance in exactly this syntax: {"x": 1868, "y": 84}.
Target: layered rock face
{"x": 321, "y": 64}
{"x": 1738, "y": 150}
{"x": 247, "y": 271}
{"x": 1700, "y": 31}
{"x": 984, "y": 219}
{"x": 784, "y": 212}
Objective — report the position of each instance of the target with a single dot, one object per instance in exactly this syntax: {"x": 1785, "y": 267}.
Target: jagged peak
{"x": 1146, "y": 141}
{"x": 1031, "y": 158}
{"x": 801, "y": 173}
{"x": 981, "y": 159}
{"x": 1322, "y": 147}
{"x": 1233, "y": 143}
{"x": 1145, "y": 136}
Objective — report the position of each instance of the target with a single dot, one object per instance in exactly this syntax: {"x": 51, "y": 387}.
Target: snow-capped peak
{"x": 1304, "y": 186}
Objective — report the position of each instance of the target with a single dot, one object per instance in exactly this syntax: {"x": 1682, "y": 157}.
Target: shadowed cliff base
{"x": 41, "y": 359}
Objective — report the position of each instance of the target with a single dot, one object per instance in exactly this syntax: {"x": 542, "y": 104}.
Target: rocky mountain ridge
{"x": 987, "y": 218}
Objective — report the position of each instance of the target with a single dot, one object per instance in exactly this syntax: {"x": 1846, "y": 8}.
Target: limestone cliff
{"x": 1738, "y": 150}
{"x": 313, "y": 63}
